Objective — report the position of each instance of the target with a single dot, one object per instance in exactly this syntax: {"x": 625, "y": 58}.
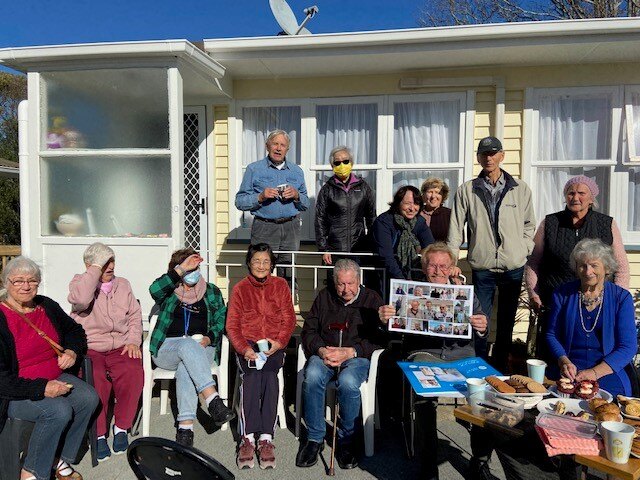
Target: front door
{"x": 195, "y": 183}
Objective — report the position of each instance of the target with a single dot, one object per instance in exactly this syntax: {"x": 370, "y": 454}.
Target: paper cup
{"x": 475, "y": 385}
{"x": 536, "y": 369}
{"x": 618, "y": 437}
{"x": 197, "y": 337}
{"x": 263, "y": 345}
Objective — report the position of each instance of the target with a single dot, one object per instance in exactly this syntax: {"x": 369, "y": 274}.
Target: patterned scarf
{"x": 408, "y": 245}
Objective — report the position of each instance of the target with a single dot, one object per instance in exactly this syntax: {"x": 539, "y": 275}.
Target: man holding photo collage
{"x": 438, "y": 262}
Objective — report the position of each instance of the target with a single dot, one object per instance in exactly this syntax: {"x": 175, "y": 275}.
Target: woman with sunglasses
{"x": 260, "y": 311}
{"x": 345, "y": 208}
{"x": 39, "y": 342}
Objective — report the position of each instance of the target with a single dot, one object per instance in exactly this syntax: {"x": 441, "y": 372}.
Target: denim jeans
{"x": 192, "y": 365}
{"x": 509, "y": 285}
{"x": 60, "y": 425}
{"x": 316, "y": 377}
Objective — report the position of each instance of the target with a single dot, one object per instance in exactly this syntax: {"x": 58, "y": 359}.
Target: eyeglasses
{"x": 260, "y": 263}
{"x": 20, "y": 283}
{"x": 433, "y": 266}
{"x": 337, "y": 163}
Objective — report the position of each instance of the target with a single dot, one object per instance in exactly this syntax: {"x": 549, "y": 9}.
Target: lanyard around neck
{"x": 186, "y": 315}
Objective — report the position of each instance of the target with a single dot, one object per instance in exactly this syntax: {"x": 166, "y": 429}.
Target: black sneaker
{"x": 219, "y": 412}
{"x": 479, "y": 470}
{"x": 184, "y": 437}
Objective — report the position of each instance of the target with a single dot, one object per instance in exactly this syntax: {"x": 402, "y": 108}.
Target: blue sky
{"x": 43, "y": 22}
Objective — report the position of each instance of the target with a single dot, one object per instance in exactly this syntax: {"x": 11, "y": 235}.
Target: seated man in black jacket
{"x": 356, "y": 308}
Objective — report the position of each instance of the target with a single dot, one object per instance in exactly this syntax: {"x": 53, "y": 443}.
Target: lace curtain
{"x": 355, "y": 126}
{"x": 257, "y": 122}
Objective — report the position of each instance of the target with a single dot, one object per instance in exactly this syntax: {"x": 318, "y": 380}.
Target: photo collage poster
{"x": 431, "y": 309}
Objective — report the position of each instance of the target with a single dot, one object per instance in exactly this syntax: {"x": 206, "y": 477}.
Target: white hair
{"x": 340, "y": 148}
{"x": 17, "y": 265}
{"x": 594, "y": 249}
{"x": 344, "y": 265}
{"x": 274, "y": 133}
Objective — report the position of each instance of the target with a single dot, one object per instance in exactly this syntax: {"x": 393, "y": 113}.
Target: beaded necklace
{"x": 592, "y": 302}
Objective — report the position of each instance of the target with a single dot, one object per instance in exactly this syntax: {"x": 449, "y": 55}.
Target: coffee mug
{"x": 618, "y": 437}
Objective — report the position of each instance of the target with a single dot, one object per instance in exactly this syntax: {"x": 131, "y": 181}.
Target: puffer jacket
{"x": 341, "y": 216}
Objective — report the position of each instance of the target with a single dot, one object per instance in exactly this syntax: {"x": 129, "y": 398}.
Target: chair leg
{"x": 299, "y": 403}
{"x": 164, "y": 396}
{"x": 146, "y": 406}
{"x": 282, "y": 418}
{"x": 368, "y": 418}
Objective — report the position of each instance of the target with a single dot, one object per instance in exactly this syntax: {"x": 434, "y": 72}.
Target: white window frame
{"x": 618, "y": 178}
{"x": 633, "y": 157}
{"x": 384, "y": 166}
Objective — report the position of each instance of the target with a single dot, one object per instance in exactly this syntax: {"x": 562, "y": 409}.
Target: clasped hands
{"x": 335, "y": 356}
{"x": 287, "y": 194}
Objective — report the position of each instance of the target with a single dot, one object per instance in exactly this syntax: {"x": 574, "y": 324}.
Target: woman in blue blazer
{"x": 592, "y": 333}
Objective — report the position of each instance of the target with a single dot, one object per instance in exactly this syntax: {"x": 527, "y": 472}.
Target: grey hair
{"x": 340, "y": 148}
{"x": 594, "y": 249}
{"x": 97, "y": 250}
{"x": 274, "y": 133}
{"x": 345, "y": 265}
{"x": 22, "y": 265}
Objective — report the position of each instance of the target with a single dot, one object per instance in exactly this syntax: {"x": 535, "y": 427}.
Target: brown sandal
{"x": 72, "y": 476}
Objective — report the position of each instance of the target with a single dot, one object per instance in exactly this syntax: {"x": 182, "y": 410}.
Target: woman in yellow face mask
{"x": 345, "y": 208}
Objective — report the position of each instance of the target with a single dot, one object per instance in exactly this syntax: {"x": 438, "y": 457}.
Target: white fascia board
{"x": 24, "y": 58}
{"x": 603, "y": 28}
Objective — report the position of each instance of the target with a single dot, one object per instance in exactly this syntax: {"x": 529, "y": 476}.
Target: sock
{"x": 117, "y": 430}
{"x": 266, "y": 436}
{"x": 64, "y": 468}
{"x": 185, "y": 427}
{"x": 211, "y": 397}
{"x": 102, "y": 437}
{"x": 251, "y": 438}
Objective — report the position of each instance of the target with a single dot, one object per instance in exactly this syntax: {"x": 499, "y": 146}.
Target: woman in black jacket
{"x": 345, "y": 208}
{"x": 33, "y": 382}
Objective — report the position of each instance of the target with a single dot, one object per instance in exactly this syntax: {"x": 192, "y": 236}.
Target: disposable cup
{"x": 263, "y": 345}
{"x": 536, "y": 369}
{"x": 475, "y": 385}
{"x": 618, "y": 437}
{"x": 197, "y": 337}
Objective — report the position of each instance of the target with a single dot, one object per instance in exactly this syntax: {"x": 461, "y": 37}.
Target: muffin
{"x": 565, "y": 386}
{"x": 587, "y": 389}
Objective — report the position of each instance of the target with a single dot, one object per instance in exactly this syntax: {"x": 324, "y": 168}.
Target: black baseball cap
{"x": 489, "y": 144}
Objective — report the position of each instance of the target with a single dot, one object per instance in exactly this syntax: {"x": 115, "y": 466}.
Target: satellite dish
{"x": 287, "y": 19}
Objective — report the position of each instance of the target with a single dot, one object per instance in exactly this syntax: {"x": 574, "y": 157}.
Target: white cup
{"x": 263, "y": 345}
{"x": 197, "y": 337}
{"x": 536, "y": 369}
{"x": 618, "y": 437}
{"x": 475, "y": 385}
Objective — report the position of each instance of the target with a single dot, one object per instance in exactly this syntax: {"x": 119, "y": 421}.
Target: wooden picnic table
{"x": 627, "y": 471}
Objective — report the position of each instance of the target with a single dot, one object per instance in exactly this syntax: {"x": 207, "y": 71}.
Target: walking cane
{"x": 341, "y": 327}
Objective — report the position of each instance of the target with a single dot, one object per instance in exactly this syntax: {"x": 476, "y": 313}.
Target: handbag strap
{"x": 55, "y": 346}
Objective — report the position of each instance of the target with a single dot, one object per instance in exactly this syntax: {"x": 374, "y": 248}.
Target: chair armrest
{"x": 302, "y": 359}
{"x": 373, "y": 367}
{"x": 224, "y": 352}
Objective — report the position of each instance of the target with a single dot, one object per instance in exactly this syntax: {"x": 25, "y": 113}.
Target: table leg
{"x": 583, "y": 472}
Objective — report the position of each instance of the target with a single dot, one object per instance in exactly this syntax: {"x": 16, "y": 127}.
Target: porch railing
{"x": 7, "y": 252}
{"x": 301, "y": 261}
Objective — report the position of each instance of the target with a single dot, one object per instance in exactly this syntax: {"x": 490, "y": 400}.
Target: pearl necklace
{"x": 601, "y": 298}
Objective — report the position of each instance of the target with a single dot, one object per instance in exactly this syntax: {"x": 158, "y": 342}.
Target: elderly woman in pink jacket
{"x": 110, "y": 314}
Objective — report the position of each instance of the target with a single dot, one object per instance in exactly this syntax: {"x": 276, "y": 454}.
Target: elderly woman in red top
{"x": 110, "y": 314}
{"x": 38, "y": 342}
{"x": 260, "y": 308}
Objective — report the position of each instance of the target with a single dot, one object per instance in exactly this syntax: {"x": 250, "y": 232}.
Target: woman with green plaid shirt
{"x": 185, "y": 339}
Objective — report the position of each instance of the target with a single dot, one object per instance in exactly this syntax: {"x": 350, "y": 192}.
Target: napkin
{"x": 561, "y": 443}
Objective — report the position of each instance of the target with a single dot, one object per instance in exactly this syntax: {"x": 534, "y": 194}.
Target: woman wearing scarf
{"x": 108, "y": 311}
{"x": 401, "y": 233}
{"x": 187, "y": 338}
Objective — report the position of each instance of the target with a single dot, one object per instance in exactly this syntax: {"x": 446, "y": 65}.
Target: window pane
{"x": 551, "y": 181}
{"x": 117, "y": 108}
{"x": 574, "y": 128}
{"x": 355, "y": 126}
{"x": 633, "y": 215}
{"x": 257, "y": 122}
{"x": 416, "y": 177}
{"x": 130, "y": 196}
{"x": 369, "y": 176}
{"x": 426, "y": 132}
{"x": 635, "y": 104}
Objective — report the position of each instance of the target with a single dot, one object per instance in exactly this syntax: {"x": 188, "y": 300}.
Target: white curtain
{"x": 635, "y": 103}
{"x": 633, "y": 212}
{"x": 355, "y": 126}
{"x": 257, "y": 122}
{"x": 574, "y": 128}
{"x": 426, "y": 132}
{"x": 551, "y": 182}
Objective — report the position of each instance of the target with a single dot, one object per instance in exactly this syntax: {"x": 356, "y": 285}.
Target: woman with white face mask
{"x": 187, "y": 338}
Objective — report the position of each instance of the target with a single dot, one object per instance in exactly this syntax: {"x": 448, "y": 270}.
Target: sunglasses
{"x": 343, "y": 162}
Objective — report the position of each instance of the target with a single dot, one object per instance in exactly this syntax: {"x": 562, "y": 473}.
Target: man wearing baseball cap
{"x": 498, "y": 211}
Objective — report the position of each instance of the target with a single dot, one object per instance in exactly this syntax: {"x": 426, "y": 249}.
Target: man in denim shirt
{"x": 273, "y": 190}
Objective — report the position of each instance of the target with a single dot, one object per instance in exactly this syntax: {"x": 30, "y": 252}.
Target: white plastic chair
{"x": 370, "y": 418}
{"x": 152, "y": 375}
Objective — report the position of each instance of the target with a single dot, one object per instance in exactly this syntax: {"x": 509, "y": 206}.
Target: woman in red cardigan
{"x": 260, "y": 308}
